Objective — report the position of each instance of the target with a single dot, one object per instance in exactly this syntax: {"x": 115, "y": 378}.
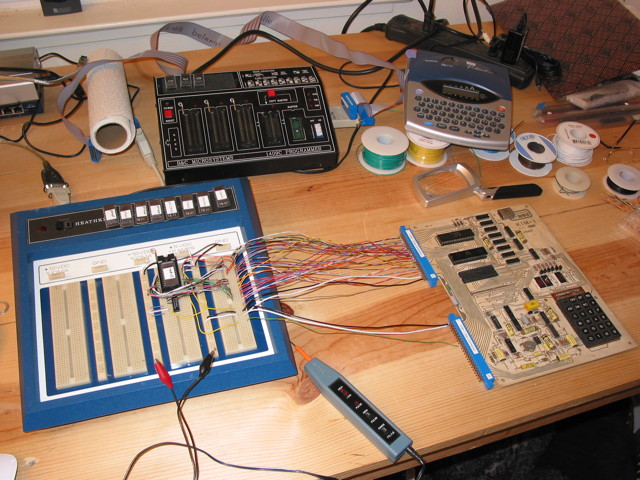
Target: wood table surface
{"x": 428, "y": 390}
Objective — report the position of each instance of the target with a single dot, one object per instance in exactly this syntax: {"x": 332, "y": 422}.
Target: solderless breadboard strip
{"x": 96, "y": 327}
{"x": 236, "y": 330}
{"x": 181, "y": 333}
{"x": 203, "y": 313}
{"x": 68, "y": 335}
{"x": 125, "y": 337}
{"x": 154, "y": 337}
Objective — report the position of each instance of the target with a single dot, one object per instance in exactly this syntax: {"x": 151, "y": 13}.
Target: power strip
{"x": 407, "y": 30}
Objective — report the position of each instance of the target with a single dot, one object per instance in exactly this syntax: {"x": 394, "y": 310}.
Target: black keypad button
{"x": 588, "y": 320}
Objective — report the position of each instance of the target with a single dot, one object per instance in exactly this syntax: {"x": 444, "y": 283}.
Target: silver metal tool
{"x": 430, "y": 196}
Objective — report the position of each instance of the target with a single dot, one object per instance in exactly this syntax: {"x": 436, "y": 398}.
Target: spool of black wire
{"x": 623, "y": 180}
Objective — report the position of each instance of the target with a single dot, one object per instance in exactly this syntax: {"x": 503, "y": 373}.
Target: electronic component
{"x": 457, "y": 101}
{"x": 478, "y": 273}
{"x": 471, "y": 350}
{"x": 60, "y": 7}
{"x": 469, "y": 255}
{"x": 373, "y": 424}
{"x": 168, "y": 272}
{"x": 19, "y": 97}
{"x": 418, "y": 254}
{"x": 93, "y": 280}
{"x": 529, "y": 311}
{"x": 589, "y": 320}
{"x": 514, "y": 43}
{"x": 251, "y": 122}
{"x": 439, "y": 38}
{"x": 54, "y": 185}
{"x": 169, "y": 276}
{"x": 456, "y": 236}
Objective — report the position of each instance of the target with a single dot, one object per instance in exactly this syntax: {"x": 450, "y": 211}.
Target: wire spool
{"x": 383, "y": 150}
{"x": 623, "y": 181}
{"x": 575, "y": 143}
{"x": 426, "y": 152}
{"x": 533, "y": 154}
{"x": 571, "y": 183}
{"x": 495, "y": 155}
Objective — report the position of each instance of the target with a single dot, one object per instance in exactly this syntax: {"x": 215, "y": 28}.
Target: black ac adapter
{"x": 514, "y": 43}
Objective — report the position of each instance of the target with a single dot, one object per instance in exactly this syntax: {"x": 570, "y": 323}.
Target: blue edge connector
{"x": 471, "y": 349}
{"x": 464, "y": 336}
{"x": 423, "y": 262}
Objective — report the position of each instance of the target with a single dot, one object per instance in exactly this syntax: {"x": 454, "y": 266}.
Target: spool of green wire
{"x": 383, "y": 150}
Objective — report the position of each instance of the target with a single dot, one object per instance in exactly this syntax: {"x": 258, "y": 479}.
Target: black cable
{"x": 391, "y": 59}
{"x": 476, "y": 13}
{"x": 364, "y": 4}
{"x": 478, "y": 18}
{"x": 624, "y": 134}
{"x": 430, "y": 10}
{"x": 48, "y": 75}
{"x": 188, "y": 436}
{"x": 339, "y": 162}
{"x": 204, "y": 370}
{"x": 27, "y": 126}
{"x": 46, "y": 56}
{"x": 376, "y": 27}
{"x": 353, "y": 16}
{"x": 360, "y": 87}
{"x": 411, "y": 451}
{"x": 282, "y": 43}
{"x": 220, "y": 462}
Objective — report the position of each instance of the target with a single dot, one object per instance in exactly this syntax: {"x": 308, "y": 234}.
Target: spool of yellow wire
{"x": 426, "y": 152}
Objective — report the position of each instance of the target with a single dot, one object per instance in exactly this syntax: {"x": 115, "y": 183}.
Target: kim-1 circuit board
{"x": 524, "y": 301}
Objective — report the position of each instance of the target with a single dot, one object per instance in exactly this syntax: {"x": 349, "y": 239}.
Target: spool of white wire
{"x": 623, "y": 180}
{"x": 575, "y": 143}
{"x": 571, "y": 183}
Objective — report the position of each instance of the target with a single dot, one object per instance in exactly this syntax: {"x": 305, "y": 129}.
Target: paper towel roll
{"x": 111, "y": 124}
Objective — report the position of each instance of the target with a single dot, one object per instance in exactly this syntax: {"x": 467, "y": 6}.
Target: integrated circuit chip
{"x": 470, "y": 255}
{"x": 456, "y": 236}
{"x": 479, "y": 273}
